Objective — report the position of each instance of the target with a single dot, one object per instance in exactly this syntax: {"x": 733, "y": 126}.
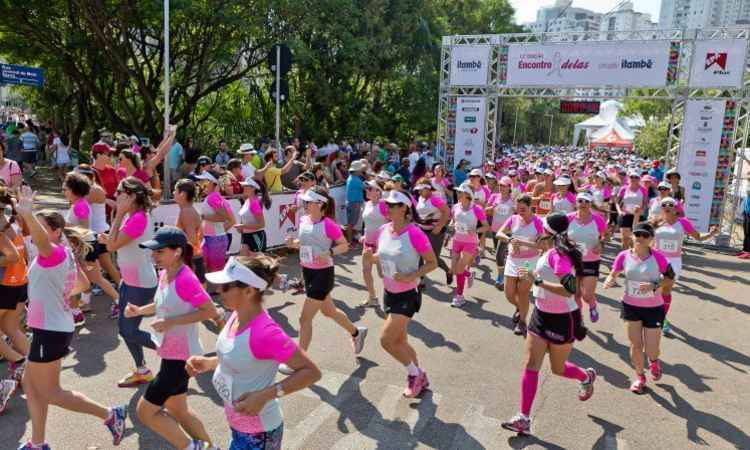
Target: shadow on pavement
{"x": 697, "y": 420}
{"x": 520, "y": 442}
{"x": 718, "y": 352}
{"x": 609, "y": 434}
{"x": 102, "y": 335}
{"x": 431, "y": 338}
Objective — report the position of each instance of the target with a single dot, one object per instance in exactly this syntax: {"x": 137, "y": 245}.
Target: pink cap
{"x": 506, "y": 181}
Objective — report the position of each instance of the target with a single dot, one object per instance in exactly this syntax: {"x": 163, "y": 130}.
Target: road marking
{"x": 612, "y": 442}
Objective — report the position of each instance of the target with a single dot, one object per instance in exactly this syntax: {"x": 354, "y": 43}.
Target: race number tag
{"x": 634, "y": 290}
{"x": 389, "y": 268}
{"x": 306, "y": 227}
{"x": 462, "y": 228}
{"x": 306, "y": 254}
{"x": 223, "y": 385}
{"x": 503, "y": 211}
{"x": 545, "y": 204}
{"x": 668, "y": 245}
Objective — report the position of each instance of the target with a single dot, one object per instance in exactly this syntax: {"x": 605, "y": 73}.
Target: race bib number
{"x": 503, "y": 212}
{"x": 306, "y": 227}
{"x": 223, "y": 385}
{"x": 668, "y": 245}
{"x": 634, "y": 290}
{"x": 545, "y": 204}
{"x": 389, "y": 268}
{"x": 306, "y": 254}
{"x": 462, "y": 228}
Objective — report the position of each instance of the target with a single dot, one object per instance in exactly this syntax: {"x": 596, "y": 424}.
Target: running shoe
{"x": 516, "y": 317}
{"x": 358, "y": 341}
{"x": 449, "y": 278}
{"x": 136, "y": 378}
{"x": 477, "y": 259}
{"x": 665, "y": 328}
{"x": 371, "y": 303}
{"x": 638, "y": 385}
{"x": 458, "y": 301}
{"x": 16, "y": 371}
{"x": 744, "y": 255}
{"x": 594, "y": 315}
{"x": 655, "y": 368}
{"x": 79, "y": 319}
{"x": 520, "y": 328}
{"x": 7, "y": 389}
{"x": 286, "y": 370}
{"x": 116, "y": 423}
{"x": 114, "y": 311}
{"x": 29, "y": 446}
{"x": 416, "y": 384}
{"x": 202, "y": 445}
{"x": 518, "y": 424}
{"x": 587, "y": 387}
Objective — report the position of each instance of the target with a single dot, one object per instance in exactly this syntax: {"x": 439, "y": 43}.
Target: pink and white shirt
{"x": 79, "y": 213}
{"x": 632, "y": 199}
{"x": 481, "y": 195}
{"x": 565, "y": 203}
{"x": 527, "y": 231}
{"x": 637, "y": 271}
{"x": 51, "y": 280}
{"x": 586, "y": 235}
{"x": 136, "y": 267}
{"x": 374, "y": 216}
{"x": 668, "y": 238}
{"x": 248, "y": 360}
{"x": 428, "y": 210}
{"x": 501, "y": 210}
{"x": 213, "y": 203}
{"x": 400, "y": 253}
{"x": 181, "y": 296}
{"x": 467, "y": 221}
{"x": 654, "y": 207}
{"x": 250, "y": 210}
{"x": 316, "y": 240}
{"x": 552, "y": 267}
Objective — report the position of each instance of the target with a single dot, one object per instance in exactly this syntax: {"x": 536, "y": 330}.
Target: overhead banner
{"x": 470, "y": 118}
{"x": 470, "y": 65}
{"x": 589, "y": 64}
{"x": 718, "y": 63}
{"x": 698, "y": 158}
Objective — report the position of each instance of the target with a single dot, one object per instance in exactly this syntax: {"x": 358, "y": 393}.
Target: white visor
{"x": 234, "y": 271}
{"x": 475, "y": 173}
{"x": 466, "y": 189}
{"x": 585, "y": 196}
{"x": 312, "y": 196}
{"x": 562, "y": 181}
{"x": 420, "y": 187}
{"x": 397, "y": 197}
{"x": 250, "y": 183}
{"x": 208, "y": 177}
{"x": 373, "y": 184}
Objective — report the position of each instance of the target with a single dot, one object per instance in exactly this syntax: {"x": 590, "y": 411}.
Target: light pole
{"x": 167, "y": 177}
{"x": 549, "y": 140}
{"x": 515, "y": 125}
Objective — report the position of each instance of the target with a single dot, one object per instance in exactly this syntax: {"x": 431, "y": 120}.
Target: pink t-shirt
{"x": 51, "y": 279}
{"x": 319, "y": 238}
{"x": 135, "y": 263}
{"x": 139, "y": 173}
{"x": 400, "y": 253}
{"x": 8, "y": 170}
{"x": 638, "y": 271}
{"x": 466, "y": 222}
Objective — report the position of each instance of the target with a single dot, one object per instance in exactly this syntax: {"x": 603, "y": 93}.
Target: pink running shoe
{"x": 518, "y": 424}
{"x": 655, "y": 368}
{"x": 587, "y": 388}
{"x": 416, "y": 384}
{"x": 638, "y": 385}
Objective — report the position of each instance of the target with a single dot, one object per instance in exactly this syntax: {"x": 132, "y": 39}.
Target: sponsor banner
{"x": 585, "y": 64}
{"x": 698, "y": 159}
{"x": 470, "y": 118}
{"x": 279, "y": 218}
{"x": 469, "y": 65}
{"x": 718, "y": 63}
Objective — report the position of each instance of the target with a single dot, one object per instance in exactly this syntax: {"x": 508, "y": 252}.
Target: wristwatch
{"x": 279, "y": 390}
{"x": 538, "y": 281}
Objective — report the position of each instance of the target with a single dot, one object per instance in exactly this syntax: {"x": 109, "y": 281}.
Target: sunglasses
{"x": 393, "y": 205}
{"x": 667, "y": 205}
{"x": 664, "y": 189}
{"x": 582, "y": 201}
{"x": 642, "y": 234}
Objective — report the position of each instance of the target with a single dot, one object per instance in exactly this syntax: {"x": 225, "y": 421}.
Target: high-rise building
{"x": 562, "y": 16}
{"x": 624, "y": 19}
{"x": 703, "y": 13}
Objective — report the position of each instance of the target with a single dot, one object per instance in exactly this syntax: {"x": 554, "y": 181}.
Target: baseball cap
{"x": 101, "y": 148}
{"x": 166, "y": 236}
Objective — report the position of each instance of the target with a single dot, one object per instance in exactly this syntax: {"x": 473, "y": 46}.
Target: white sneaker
{"x": 371, "y": 303}
{"x": 7, "y": 389}
{"x": 358, "y": 342}
{"x": 458, "y": 301}
{"x": 286, "y": 370}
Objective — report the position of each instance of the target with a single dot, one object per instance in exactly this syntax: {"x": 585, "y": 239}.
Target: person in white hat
{"x": 218, "y": 219}
{"x": 252, "y": 220}
{"x": 248, "y": 152}
{"x": 542, "y": 195}
{"x": 404, "y": 256}
{"x": 249, "y": 350}
{"x": 521, "y": 230}
{"x": 440, "y": 184}
{"x": 469, "y": 222}
{"x": 631, "y": 201}
{"x": 564, "y": 198}
{"x": 320, "y": 239}
{"x": 500, "y": 208}
{"x": 374, "y": 215}
{"x": 663, "y": 189}
{"x": 432, "y": 218}
{"x": 588, "y": 231}
{"x": 601, "y": 192}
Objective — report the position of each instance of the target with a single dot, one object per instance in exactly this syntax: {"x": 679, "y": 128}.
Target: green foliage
{"x": 653, "y": 138}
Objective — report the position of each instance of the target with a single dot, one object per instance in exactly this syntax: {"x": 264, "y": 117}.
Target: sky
{"x": 526, "y": 9}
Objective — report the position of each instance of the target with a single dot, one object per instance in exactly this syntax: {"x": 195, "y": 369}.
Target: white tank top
{"x": 374, "y": 216}
{"x": 98, "y": 221}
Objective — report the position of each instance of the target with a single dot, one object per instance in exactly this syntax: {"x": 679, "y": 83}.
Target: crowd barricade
{"x": 280, "y": 221}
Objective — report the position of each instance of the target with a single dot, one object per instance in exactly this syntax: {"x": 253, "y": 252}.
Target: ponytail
{"x": 565, "y": 246}
{"x": 265, "y": 198}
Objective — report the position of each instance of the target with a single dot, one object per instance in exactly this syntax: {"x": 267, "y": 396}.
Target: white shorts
{"x": 513, "y": 264}
{"x": 676, "y": 263}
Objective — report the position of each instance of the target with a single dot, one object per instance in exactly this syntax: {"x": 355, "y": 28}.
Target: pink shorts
{"x": 465, "y": 247}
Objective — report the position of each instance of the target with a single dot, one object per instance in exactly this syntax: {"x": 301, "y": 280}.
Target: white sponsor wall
{"x": 718, "y": 63}
{"x": 622, "y": 64}
{"x": 470, "y": 130}
{"x": 469, "y": 65}
{"x": 279, "y": 219}
{"x": 698, "y": 158}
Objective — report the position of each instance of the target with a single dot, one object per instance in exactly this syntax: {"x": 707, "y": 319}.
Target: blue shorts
{"x": 269, "y": 440}
{"x": 353, "y": 214}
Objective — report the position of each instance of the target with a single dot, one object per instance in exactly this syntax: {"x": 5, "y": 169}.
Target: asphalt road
{"x": 474, "y": 364}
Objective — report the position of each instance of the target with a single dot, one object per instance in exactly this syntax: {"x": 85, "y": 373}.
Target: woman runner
{"x": 556, "y": 320}
{"x": 374, "y": 215}
{"x": 252, "y": 222}
{"x": 320, "y": 239}
{"x": 520, "y": 231}
{"x": 218, "y": 217}
{"x": 54, "y": 277}
{"x": 180, "y": 304}
{"x": 249, "y": 350}
{"x": 646, "y": 273}
{"x": 400, "y": 247}
{"x": 189, "y": 221}
{"x": 631, "y": 201}
{"x": 432, "y": 217}
{"x": 469, "y": 222}
{"x": 563, "y": 200}
{"x": 500, "y": 208}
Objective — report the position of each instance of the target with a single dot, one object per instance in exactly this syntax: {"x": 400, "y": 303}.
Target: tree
{"x": 653, "y": 139}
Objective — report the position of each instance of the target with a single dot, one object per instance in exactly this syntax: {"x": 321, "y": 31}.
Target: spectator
{"x": 338, "y": 168}
{"x": 404, "y": 171}
{"x": 414, "y": 156}
{"x": 230, "y": 181}
{"x": 382, "y": 153}
{"x": 14, "y": 145}
{"x": 288, "y": 180}
{"x": 222, "y": 158}
{"x": 355, "y": 199}
{"x": 459, "y": 174}
{"x": 420, "y": 170}
{"x": 745, "y": 253}
{"x": 202, "y": 164}
{"x": 247, "y": 153}
{"x": 271, "y": 173}
{"x": 29, "y": 147}
{"x": 10, "y": 172}
{"x": 192, "y": 153}
{"x": 107, "y": 174}
{"x": 174, "y": 162}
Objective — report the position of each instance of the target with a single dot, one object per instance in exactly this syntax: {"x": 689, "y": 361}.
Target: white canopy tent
{"x": 605, "y": 122}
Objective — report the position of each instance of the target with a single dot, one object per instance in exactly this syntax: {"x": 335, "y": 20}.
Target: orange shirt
{"x": 14, "y": 274}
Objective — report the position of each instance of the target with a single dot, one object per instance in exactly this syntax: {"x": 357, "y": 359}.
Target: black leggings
{"x": 746, "y": 229}
{"x": 436, "y": 242}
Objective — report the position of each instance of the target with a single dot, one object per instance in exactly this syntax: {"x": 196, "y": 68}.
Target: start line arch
{"x": 704, "y": 73}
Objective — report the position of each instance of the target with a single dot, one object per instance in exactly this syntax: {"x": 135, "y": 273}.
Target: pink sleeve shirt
{"x": 135, "y": 225}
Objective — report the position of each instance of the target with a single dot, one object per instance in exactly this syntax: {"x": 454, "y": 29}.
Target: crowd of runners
{"x": 548, "y": 214}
